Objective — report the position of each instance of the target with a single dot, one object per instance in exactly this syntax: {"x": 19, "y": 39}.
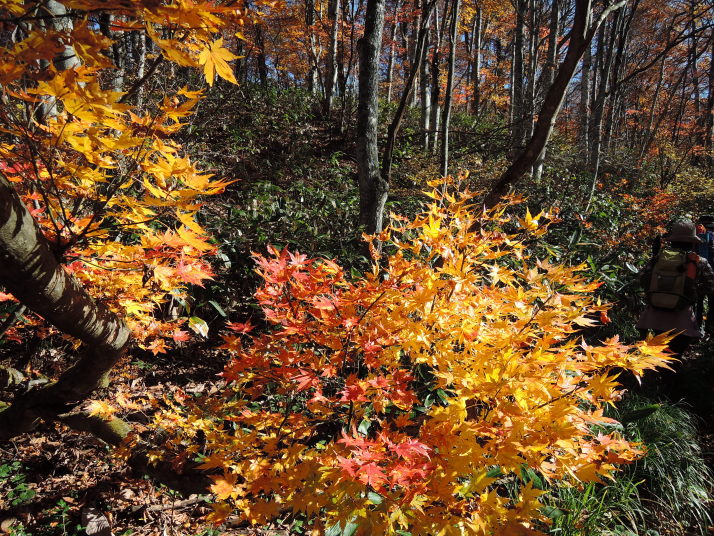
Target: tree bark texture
{"x": 373, "y": 189}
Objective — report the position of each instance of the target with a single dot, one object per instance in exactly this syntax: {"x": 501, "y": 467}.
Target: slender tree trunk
{"x": 413, "y": 52}
{"x": 313, "y": 74}
{"x": 615, "y": 91}
{"x": 446, "y": 114}
{"x": 140, "y": 49}
{"x": 680, "y": 110}
{"x": 601, "y": 103}
{"x": 518, "y": 122}
{"x": 372, "y": 187}
{"x": 116, "y": 53}
{"x": 693, "y": 58}
{"x": 436, "y": 84}
{"x": 651, "y": 115}
{"x": 392, "y": 51}
{"x": 333, "y": 10}
{"x": 549, "y": 75}
{"x": 262, "y": 59}
{"x": 405, "y": 49}
{"x": 585, "y": 105}
{"x": 425, "y": 95}
{"x": 533, "y": 38}
{"x": 693, "y": 65}
{"x": 602, "y": 97}
{"x": 511, "y": 93}
{"x": 665, "y": 111}
{"x": 476, "y": 75}
{"x": 468, "y": 38}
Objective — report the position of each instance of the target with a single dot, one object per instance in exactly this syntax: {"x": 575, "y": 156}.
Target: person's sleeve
{"x": 706, "y": 281}
{"x": 645, "y": 275}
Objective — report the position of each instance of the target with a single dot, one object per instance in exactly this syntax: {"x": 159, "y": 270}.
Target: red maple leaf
{"x": 240, "y": 327}
{"x": 410, "y": 449}
{"x": 372, "y": 475}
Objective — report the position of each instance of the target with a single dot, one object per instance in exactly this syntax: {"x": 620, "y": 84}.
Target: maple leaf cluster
{"x": 404, "y": 399}
{"x": 111, "y": 189}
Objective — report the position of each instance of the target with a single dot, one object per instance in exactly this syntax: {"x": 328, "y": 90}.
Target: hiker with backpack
{"x": 673, "y": 279}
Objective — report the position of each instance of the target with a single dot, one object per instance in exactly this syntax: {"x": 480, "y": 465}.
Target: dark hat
{"x": 683, "y": 231}
{"x": 707, "y": 220}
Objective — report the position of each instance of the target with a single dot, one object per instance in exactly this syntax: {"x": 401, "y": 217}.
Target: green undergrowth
{"x": 668, "y": 492}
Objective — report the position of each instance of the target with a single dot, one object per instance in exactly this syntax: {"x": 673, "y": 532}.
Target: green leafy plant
{"x": 13, "y": 479}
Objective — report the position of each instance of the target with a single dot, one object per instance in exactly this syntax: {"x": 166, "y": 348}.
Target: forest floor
{"x": 53, "y": 479}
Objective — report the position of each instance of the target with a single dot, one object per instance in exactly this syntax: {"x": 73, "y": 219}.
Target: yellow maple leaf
{"x": 214, "y": 59}
{"x": 99, "y": 408}
{"x": 223, "y": 486}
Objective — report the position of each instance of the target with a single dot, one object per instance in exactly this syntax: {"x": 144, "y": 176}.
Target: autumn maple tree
{"x": 98, "y": 206}
{"x": 413, "y": 397}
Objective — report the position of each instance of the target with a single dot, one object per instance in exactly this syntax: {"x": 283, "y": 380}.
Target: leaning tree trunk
{"x": 30, "y": 271}
{"x": 373, "y": 189}
{"x": 581, "y": 34}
